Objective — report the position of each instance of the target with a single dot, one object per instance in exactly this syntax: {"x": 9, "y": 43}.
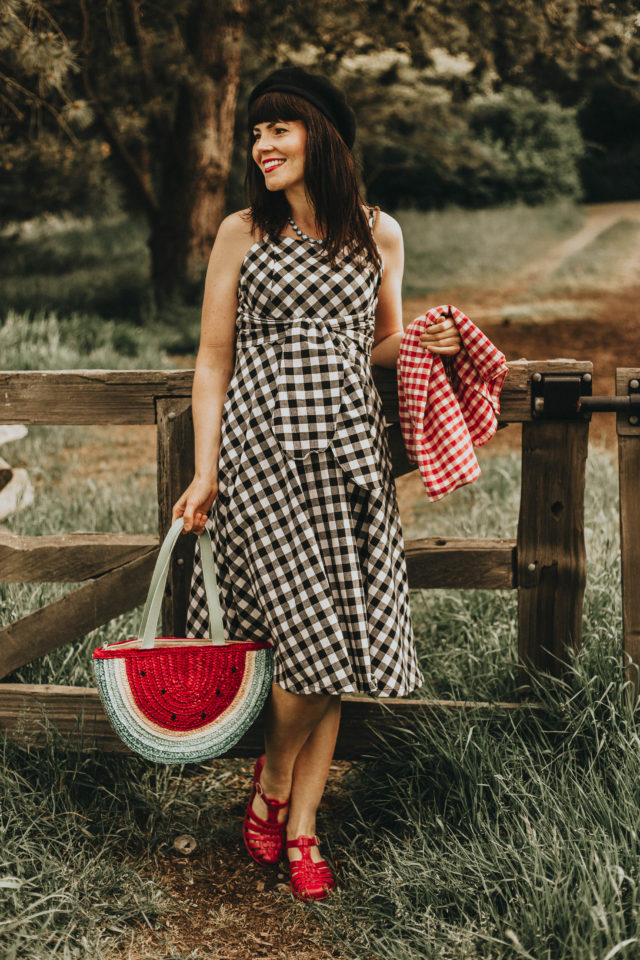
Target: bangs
{"x": 277, "y": 105}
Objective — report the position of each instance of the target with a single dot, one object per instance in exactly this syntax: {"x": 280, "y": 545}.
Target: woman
{"x": 291, "y": 451}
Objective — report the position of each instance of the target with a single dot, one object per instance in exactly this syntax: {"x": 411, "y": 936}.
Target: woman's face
{"x": 279, "y": 150}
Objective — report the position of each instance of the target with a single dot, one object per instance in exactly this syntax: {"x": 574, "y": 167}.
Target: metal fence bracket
{"x": 558, "y": 396}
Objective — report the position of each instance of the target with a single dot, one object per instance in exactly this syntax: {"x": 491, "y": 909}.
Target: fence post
{"x": 550, "y": 543}
{"x": 628, "y": 431}
{"x": 175, "y": 473}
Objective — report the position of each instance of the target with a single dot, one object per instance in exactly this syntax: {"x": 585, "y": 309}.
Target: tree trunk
{"x": 197, "y": 161}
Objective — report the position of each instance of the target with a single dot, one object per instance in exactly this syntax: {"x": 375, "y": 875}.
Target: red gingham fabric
{"x": 446, "y": 407}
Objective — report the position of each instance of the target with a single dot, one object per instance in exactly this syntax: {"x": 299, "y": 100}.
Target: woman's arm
{"x": 440, "y": 337}
{"x": 214, "y": 367}
{"x": 388, "y": 328}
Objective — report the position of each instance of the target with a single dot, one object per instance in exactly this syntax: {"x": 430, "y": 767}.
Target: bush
{"x": 523, "y": 148}
{"x": 503, "y": 147}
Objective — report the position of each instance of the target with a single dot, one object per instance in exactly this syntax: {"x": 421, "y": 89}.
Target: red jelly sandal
{"x": 310, "y": 880}
{"x": 264, "y": 839}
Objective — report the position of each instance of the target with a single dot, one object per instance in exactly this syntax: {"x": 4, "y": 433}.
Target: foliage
{"x": 44, "y": 341}
{"x": 610, "y": 120}
{"x": 424, "y": 77}
{"x": 520, "y": 148}
{"x": 93, "y": 102}
{"x": 104, "y": 104}
{"x": 505, "y": 146}
{"x": 50, "y": 162}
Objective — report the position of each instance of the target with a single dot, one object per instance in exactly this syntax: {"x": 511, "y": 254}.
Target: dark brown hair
{"x": 330, "y": 181}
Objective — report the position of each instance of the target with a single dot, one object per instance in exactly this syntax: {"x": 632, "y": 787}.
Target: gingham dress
{"x": 306, "y": 531}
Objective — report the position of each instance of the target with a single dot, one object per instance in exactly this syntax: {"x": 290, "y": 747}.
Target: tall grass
{"x": 81, "y": 837}
{"x": 49, "y": 341}
{"x": 515, "y": 836}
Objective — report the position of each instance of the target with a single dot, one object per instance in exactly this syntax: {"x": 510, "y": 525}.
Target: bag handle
{"x": 158, "y": 581}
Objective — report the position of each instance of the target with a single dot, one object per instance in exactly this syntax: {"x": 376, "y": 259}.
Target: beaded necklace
{"x": 303, "y": 236}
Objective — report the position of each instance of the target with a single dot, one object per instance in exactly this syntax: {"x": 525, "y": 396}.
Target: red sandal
{"x": 264, "y": 839}
{"x": 309, "y": 880}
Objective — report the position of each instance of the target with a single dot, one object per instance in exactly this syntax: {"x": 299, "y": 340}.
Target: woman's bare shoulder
{"x": 237, "y": 226}
{"x": 386, "y": 230}
{"x": 235, "y": 236}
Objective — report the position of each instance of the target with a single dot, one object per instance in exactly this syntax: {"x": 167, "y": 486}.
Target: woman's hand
{"x": 442, "y": 337}
{"x": 195, "y": 503}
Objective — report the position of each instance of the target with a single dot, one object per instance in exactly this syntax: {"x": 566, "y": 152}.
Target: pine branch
{"x": 29, "y": 95}
{"x": 16, "y": 111}
{"x": 140, "y": 178}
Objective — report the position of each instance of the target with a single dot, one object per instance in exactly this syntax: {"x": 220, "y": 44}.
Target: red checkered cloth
{"x": 447, "y": 406}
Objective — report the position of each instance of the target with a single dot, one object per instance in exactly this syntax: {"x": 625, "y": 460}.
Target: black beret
{"x": 318, "y": 90}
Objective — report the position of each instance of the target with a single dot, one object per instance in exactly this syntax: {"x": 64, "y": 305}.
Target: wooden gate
{"x": 545, "y": 563}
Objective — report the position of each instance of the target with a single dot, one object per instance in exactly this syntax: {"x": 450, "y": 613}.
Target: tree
{"x": 424, "y": 74}
{"x": 147, "y": 90}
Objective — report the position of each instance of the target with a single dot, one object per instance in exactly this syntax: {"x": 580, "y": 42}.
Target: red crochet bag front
{"x": 177, "y": 700}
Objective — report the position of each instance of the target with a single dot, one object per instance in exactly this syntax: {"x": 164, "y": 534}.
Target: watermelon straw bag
{"x": 182, "y": 700}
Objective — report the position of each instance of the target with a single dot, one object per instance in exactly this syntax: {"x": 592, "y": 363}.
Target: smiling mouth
{"x": 270, "y": 165}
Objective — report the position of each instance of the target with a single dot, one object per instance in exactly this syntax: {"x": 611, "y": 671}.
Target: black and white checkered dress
{"x": 308, "y": 544}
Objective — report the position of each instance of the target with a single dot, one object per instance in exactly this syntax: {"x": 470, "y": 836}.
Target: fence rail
{"x": 545, "y": 563}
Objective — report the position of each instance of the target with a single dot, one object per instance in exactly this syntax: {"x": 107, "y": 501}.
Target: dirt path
{"x": 600, "y": 216}
{"x": 602, "y": 326}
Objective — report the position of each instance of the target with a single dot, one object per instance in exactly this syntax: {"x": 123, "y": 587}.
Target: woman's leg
{"x": 310, "y": 777}
{"x": 300, "y": 733}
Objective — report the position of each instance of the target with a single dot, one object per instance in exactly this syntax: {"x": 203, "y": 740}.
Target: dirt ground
{"x": 258, "y": 919}
{"x": 232, "y": 907}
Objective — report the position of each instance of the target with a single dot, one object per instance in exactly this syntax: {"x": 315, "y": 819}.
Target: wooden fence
{"x": 545, "y": 563}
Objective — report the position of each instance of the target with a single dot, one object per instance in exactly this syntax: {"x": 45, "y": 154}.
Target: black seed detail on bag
{"x": 203, "y": 714}
{"x": 163, "y": 690}
{"x": 173, "y": 716}
{"x": 218, "y": 692}
{"x": 143, "y": 673}
{"x": 233, "y": 669}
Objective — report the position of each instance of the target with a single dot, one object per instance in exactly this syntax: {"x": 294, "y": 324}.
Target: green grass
{"x": 126, "y": 503}
{"x": 511, "y": 839}
{"x": 78, "y": 266}
{"x": 515, "y": 837}
{"x": 103, "y": 268}
{"x": 461, "y": 248}
{"x": 47, "y": 341}
{"x": 81, "y": 836}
